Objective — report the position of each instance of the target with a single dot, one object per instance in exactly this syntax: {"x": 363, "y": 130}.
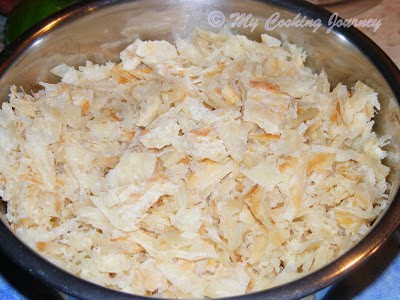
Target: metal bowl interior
{"x": 99, "y": 30}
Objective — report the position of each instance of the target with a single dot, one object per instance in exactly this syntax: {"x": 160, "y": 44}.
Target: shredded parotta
{"x": 216, "y": 166}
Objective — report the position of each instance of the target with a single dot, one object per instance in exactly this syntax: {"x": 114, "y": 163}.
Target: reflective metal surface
{"x": 99, "y": 30}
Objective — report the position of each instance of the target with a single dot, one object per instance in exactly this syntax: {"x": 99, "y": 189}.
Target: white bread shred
{"x": 217, "y": 166}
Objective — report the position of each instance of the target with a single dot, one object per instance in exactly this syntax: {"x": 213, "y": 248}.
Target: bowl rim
{"x": 72, "y": 285}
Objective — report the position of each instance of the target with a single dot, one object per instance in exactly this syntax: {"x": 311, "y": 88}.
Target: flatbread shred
{"x": 214, "y": 167}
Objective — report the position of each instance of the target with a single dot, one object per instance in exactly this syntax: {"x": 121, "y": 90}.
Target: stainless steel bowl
{"x": 99, "y": 30}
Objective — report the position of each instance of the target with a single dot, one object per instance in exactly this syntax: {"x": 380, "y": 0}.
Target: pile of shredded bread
{"x": 217, "y": 166}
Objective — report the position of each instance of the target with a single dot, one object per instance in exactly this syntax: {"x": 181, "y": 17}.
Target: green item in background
{"x": 29, "y": 12}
